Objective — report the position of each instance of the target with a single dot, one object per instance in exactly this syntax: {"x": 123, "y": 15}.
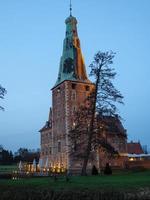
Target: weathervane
{"x": 70, "y": 8}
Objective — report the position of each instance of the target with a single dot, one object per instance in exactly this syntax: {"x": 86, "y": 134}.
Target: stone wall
{"x": 145, "y": 164}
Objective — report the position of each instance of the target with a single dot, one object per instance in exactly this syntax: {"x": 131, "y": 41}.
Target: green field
{"x": 122, "y": 180}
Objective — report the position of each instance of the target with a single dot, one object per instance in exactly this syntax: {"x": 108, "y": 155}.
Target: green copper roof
{"x": 72, "y": 65}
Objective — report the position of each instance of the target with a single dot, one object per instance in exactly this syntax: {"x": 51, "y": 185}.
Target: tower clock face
{"x": 68, "y": 65}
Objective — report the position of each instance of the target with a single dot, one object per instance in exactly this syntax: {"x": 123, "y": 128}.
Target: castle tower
{"x": 69, "y": 92}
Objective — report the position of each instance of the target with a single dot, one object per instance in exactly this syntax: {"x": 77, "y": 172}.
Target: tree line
{"x": 2, "y": 94}
{"x": 22, "y": 154}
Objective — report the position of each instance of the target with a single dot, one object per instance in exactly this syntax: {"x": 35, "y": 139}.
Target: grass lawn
{"x": 122, "y": 180}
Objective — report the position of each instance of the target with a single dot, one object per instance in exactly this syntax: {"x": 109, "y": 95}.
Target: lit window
{"x": 58, "y": 89}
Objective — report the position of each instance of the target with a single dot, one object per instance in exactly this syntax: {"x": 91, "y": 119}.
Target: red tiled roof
{"x": 134, "y": 148}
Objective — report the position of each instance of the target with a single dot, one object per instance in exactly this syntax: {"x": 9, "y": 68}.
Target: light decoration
{"x": 53, "y": 168}
{"x": 44, "y": 169}
{"x": 34, "y": 166}
{"x": 58, "y": 168}
{"x": 131, "y": 159}
{"x": 29, "y": 168}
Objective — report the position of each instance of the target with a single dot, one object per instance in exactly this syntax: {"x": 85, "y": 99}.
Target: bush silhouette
{"x": 107, "y": 169}
{"x": 94, "y": 170}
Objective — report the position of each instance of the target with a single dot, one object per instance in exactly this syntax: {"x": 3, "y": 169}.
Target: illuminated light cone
{"x": 34, "y": 165}
{"x": 47, "y": 163}
{"x": 20, "y": 166}
{"x": 40, "y": 164}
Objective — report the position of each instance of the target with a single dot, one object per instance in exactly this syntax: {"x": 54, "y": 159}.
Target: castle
{"x": 69, "y": 92}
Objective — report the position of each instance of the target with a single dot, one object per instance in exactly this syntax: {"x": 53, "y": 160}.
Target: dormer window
{"x": 87, "y": 88}
{"x": 58, "y": 89}
{"x": 73, "y": 86}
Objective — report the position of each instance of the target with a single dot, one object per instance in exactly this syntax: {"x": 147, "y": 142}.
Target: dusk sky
{"x": 31, "y": 41}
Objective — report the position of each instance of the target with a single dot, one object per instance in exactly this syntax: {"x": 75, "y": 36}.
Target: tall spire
{"x": 70, "y": 8}
{"x": 72, "y": 66}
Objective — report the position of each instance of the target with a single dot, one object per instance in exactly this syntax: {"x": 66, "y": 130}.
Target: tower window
{"x": 59, "y": 146}
{"x": 74, "y": 95}
{"x": 50, "y": 150}
{"x": 73, "y": 86}
{"x": 74, "y": 110}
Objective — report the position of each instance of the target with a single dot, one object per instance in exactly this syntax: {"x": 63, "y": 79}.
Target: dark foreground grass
{"x": 120, "y": 186}
{"x": 117, "y": 181}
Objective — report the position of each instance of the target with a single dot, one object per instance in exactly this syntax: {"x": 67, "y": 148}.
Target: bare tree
{"x": 91, "y": 119}
{"x": 2, "y": 93}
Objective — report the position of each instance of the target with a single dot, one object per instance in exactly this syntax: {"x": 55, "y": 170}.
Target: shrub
{"x": 107, "y": 170}
{"x": 94, "y": 170}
